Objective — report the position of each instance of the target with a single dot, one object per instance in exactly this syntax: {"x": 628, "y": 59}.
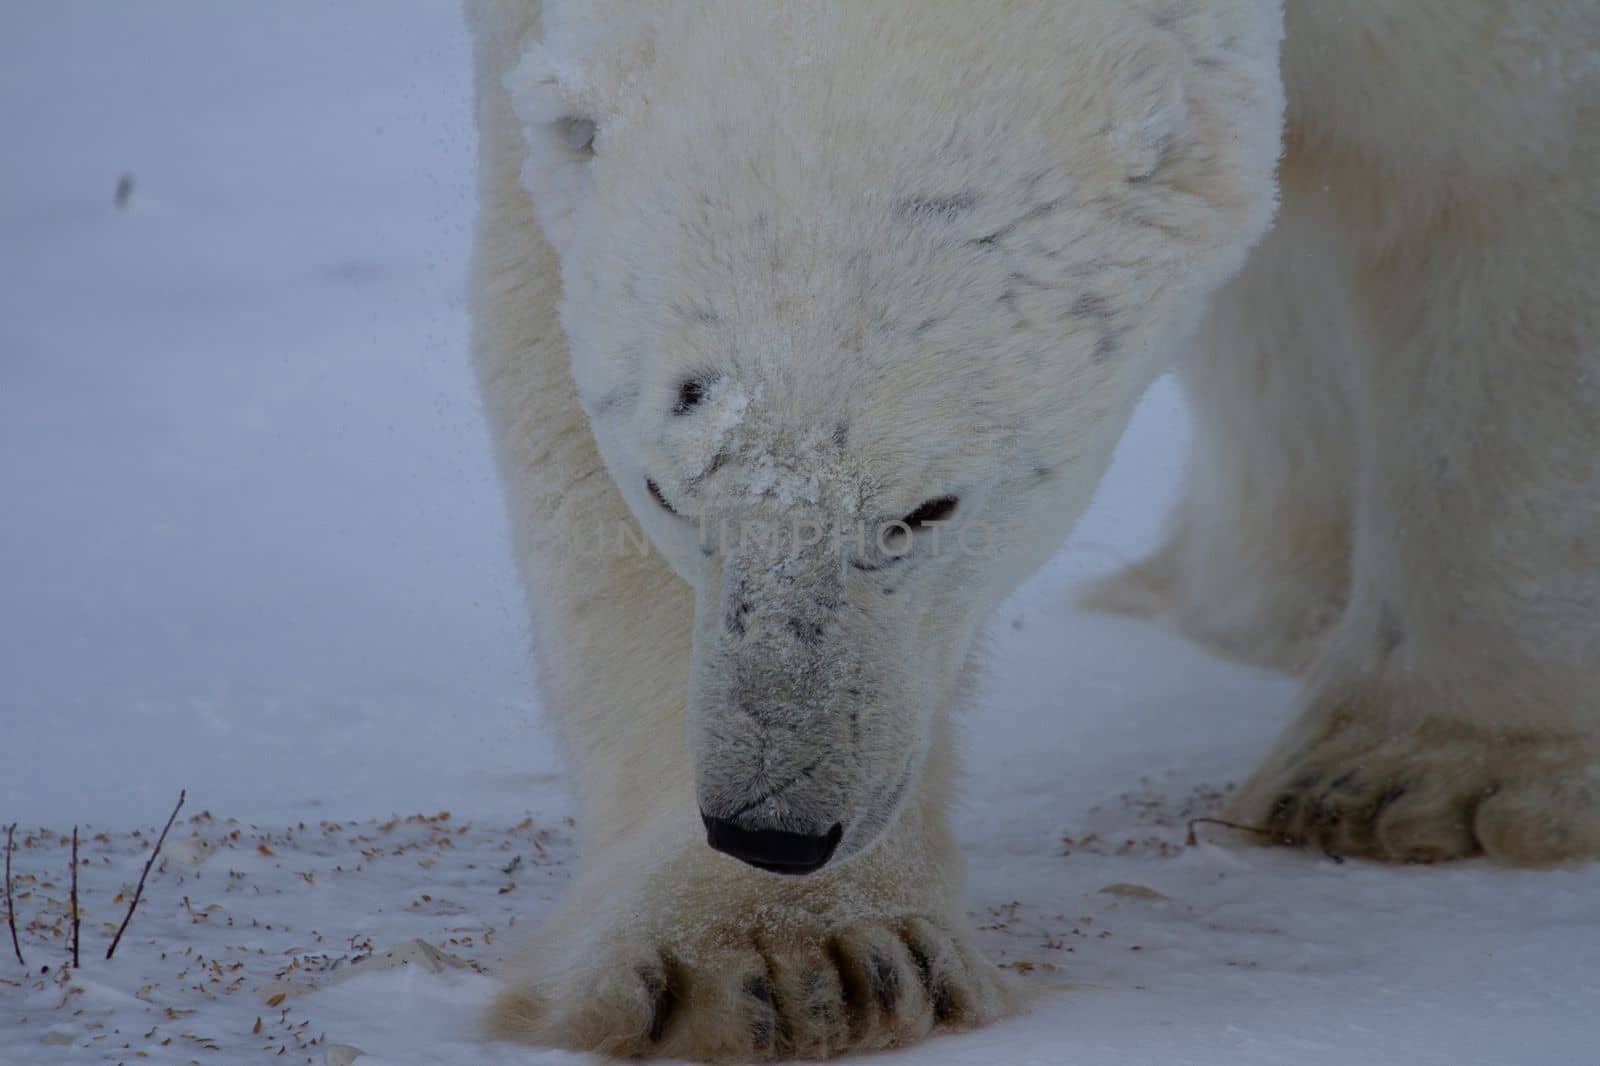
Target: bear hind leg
{"x": 1256, "y": 560}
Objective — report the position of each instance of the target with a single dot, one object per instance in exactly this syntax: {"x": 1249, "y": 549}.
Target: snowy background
{"x": 251, "y": 546}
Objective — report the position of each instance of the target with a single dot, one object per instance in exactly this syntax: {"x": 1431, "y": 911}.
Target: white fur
{"x": 907, "y": 251}
{"x": 1396, "y": 487}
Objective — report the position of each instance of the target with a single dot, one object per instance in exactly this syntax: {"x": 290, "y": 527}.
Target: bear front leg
{"x": 665, "y": 948}
{"x": 1456, "y": 709}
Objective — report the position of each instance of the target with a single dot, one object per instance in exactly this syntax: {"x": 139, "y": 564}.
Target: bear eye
{"x": 894, "y": 538}
{"x": 655, "y": 494}
{"x": 934, "y": 510}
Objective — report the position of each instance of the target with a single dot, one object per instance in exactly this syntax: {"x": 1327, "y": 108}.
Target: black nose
{"x": 772, "y": 849}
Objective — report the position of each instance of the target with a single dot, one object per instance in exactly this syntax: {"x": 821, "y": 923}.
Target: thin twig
{"x": 138, "y": 890}
{"x": 1281, "y": 838}
{"x": 1191, "y": 840}
{"x": 75, "y": 926}
{"x": 11, "y": 909}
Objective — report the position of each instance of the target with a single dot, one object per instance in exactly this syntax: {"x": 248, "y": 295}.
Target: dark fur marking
{"x": 618, "y": 400}
{"x": 733, "y": 621}
{"x": 1038, "y": 211}
{"x": 1092, "y": 307}
{"x": 717, "y": 462}
{"x": 702, "y": 315}
{"x": 806, "y": 631}
{"x": 804, "y": 774}
{"x": 630, "y": 357}
{"x": 941, "y": 207}
{"x": 1021, "y": 280}
{"x": 655, "y": 494}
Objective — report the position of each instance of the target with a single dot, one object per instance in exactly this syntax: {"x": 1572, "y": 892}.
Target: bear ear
{"x": 1149, "y": 108}
{"x": 560, "y": 134}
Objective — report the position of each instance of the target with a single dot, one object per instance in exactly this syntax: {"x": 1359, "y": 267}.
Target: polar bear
{"x": 804, "y": 333}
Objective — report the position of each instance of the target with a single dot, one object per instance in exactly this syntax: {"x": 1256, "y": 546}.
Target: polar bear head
{"x": 859, "y": 299}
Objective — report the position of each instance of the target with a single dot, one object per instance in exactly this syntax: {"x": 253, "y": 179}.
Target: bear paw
{"x": 1428, "y": 792}
{"x": 730, "y": 994}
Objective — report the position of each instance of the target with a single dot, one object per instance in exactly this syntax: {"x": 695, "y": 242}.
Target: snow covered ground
{"x": 251, "y": 548}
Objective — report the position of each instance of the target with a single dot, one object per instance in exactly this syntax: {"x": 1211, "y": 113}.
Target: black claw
{"x": 1344, "y": 782}
{"x": 850, "y": 990}
{"x": 1305, "y": 782}
{"x": 1390, "y": 794}
{"x": 885, "y": 983}
{"x": 1322, "y": 815}
{"x": 767, "y": 1027}
{"x": 663, "y": 999}
{"x": 1322, "y": 824}
{"x": 1469, "y": 813}
{"x": 759, "y": 988}
{"x": 819, "y": 996}
{"x": 938, "y": 989}
{"x": 1281, "y": 818}
{"x": 763, "y": 1022}
{"x": 762, "y": 1032}
{"x": 944, "y": 1007}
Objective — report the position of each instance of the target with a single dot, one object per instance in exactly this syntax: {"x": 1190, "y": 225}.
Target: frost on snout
{"x": 778, "y": 702}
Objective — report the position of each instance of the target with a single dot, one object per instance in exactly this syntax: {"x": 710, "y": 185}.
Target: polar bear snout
{"x": 773, "y": 850}
{"x": 807, "y": 718}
